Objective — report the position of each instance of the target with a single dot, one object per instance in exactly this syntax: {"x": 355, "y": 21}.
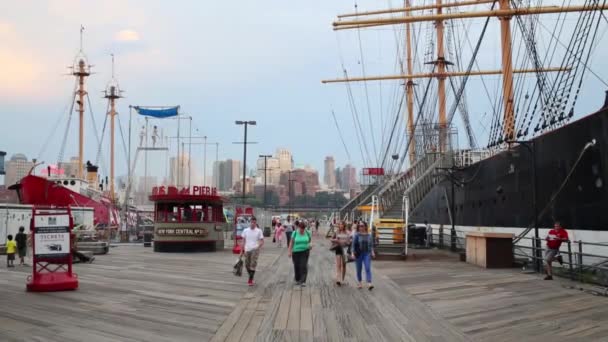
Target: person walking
{"x": 279, "y": 231}
{"x": 288, "y": 229}
{"x": 363, "y": 252}
{"x": 253, "y": 240}
{"x": 340, "y": 241}
{"x": 21, "y": 240}
{"x": 554, "y": 239}
{"x": 299, "y": 251}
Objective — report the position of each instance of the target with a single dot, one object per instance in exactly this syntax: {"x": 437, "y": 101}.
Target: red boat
{"x": 65, "y": 191}
{"x": 61, "y": 188}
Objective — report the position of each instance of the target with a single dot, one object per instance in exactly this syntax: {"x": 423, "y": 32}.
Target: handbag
{"x": 238, "y": 267}
{"x": 334, "y": 246}
{"x": 274, "y": 239}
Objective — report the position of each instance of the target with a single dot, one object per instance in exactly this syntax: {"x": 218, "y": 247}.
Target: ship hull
{"x": 498, "y": 191}
{"x": 35, "y": 190}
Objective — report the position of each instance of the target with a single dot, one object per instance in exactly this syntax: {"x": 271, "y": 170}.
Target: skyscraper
{"x": 226, "y": 173}
{"x": 285, "y": 159}
{"x": 16, "y": 168}
{"x": 330, "y": 172}
{"x": 349, "y": 177}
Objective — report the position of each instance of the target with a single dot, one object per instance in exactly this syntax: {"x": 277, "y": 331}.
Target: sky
{"x": 220, "y": 61}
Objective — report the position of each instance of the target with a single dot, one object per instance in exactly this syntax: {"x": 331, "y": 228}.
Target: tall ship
{"x": 77, "y": 183}
{"x": 502, "y": 120}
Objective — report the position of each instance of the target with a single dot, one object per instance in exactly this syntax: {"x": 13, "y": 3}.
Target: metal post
{"x": 244, "y": 162}
{"x": 453, "y": 209}
{"x": 570, "y": 260}
{"x": 190, "y": 154}
{"x": 205, "y": 161}
{"x": 441, "y": 237}
{"x": 265, "y": 182}
{"x": 580, "y": 260}
{"x": 146, "y": 160}
{"x": 537, "y": 246}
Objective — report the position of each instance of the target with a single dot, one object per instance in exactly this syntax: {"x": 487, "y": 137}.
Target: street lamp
{"x": 265, "y": 156}
{"x": 529, "y": 145}
{"x": 245, "y": 123}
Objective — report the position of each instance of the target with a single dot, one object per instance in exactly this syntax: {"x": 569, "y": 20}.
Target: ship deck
{"x": 134, "y": 294}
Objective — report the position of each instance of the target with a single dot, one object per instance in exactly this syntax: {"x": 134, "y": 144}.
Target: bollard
{"x": 570, "y": 260}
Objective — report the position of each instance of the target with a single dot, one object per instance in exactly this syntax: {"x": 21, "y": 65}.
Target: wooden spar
{"x": 81, "y": 93}
{"x": 446, "y": 74}
{"x": 417, "y": 8}
{"x": 352, "y": 24}
{"x": 409, "y": 87}
{"x": 112, "y": 93}
{"x": 507, "y": 73}
{"x": 441, "y": 80}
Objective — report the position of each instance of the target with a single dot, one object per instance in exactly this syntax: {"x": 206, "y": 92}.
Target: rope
{"x": 95, "y": 130}
{"x": 340, "y": 134}
{"x": 559, "y": 190}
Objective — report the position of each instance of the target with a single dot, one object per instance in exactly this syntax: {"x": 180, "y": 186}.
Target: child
{"x": 278, "y": 234}
{"x": 21, "y": 240}
{"x": 11, "y": 248}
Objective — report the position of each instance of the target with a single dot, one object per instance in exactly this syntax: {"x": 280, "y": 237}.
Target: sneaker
{"x": 303, "y": 284}
{"x": 250, "y": 282}
{"x": 548, "y": 277}
{"x": 359, "y": 286}
{"x": 560, "y": 259}
{"x": 370, "y": 287}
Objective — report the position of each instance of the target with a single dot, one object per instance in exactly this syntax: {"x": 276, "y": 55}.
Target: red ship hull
{"x": 35, "y": 190}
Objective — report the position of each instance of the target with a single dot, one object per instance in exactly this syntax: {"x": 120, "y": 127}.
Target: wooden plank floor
{"x": 131, "y": 294}
{"x": 277, "y": 310}
{"x": 501, "y": 305}
{"x": 134, "y": 294}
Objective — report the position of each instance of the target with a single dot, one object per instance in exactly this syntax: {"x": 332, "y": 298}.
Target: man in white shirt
{"x": 253, "y": 240}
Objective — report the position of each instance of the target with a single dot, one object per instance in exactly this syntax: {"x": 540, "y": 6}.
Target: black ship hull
{"x": 498, "y": 191}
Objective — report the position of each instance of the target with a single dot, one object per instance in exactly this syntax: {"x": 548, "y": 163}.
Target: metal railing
{"x": 582, "y": 261}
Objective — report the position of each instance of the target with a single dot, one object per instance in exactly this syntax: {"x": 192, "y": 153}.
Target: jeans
{"x": 288, "y": 237}
{"x": 364, "y": 259}
{"x": 300, "y": 265}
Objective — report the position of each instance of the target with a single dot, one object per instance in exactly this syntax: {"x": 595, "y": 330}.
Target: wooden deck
{"x": 134, "y": 294}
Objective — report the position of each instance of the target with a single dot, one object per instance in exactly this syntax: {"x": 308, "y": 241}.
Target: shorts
{"x": 251, "y": 259}
{"x": 10, "y": 257}
{"x": 550, "y": 254}
{"x": 22, "y": 252}
{"x": 339, "y": 250}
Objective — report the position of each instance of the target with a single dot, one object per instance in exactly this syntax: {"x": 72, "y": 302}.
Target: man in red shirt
{"x": 554, "y": 239}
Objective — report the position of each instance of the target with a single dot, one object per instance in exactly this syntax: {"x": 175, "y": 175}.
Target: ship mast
{"x": 81, "y": 70}
{"x": 409, "y": 87}
{"x": 504, "y": 14}
{"x": 112, "y": 93}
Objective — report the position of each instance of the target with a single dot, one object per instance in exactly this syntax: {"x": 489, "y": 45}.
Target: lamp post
{"x": 529, "y": 145}
{"x": 265, "y": 156}
{"x": 245, "y": 123}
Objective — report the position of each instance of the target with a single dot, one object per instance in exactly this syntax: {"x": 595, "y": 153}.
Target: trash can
{"x": 267, "y": 231}
{"x": 148, "y": 238}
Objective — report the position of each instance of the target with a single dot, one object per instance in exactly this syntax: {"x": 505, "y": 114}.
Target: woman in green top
{"x": 299, "y": 250}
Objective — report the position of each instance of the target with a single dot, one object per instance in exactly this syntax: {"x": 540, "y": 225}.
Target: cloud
{"x": 127, "y": 36}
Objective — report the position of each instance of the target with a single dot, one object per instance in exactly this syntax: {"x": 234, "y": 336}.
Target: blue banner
{"x": 157, "y": 112}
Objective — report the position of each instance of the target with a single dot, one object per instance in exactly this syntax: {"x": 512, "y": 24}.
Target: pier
{"x": 134, "y": 294}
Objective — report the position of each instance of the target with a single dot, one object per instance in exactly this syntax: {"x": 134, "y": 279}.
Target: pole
{"x": 205, "y": 161}
{"x": 182, "y": 161}
{"x": 112, "y": 128}
{"x": 535, "y": 205}
{"x": 453, "y": 209}
{"x": 190, "y": 155}
{"x": 265, "y": 177}
{"x": 441, "y": 80}
{"x": 507, "y": 71}
{"x": 177, "y": 164}
{"x": 410, "y": 88}
{"x": 127, "y": 190}
{"x": 146, "y": 159}
{"x": 244, "y": 162}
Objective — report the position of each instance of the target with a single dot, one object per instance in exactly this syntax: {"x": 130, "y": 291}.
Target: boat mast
{"x": 409, "y": 88}
{"x": 81, "y": 70}
{"x": 441, "y": 79}
{"x": 507, "y": 72}
{"x": 112, "y": 93}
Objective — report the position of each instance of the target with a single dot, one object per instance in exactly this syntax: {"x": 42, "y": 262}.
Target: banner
{"x": 158, "y": 112}
{"x": 51, "y": 236}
